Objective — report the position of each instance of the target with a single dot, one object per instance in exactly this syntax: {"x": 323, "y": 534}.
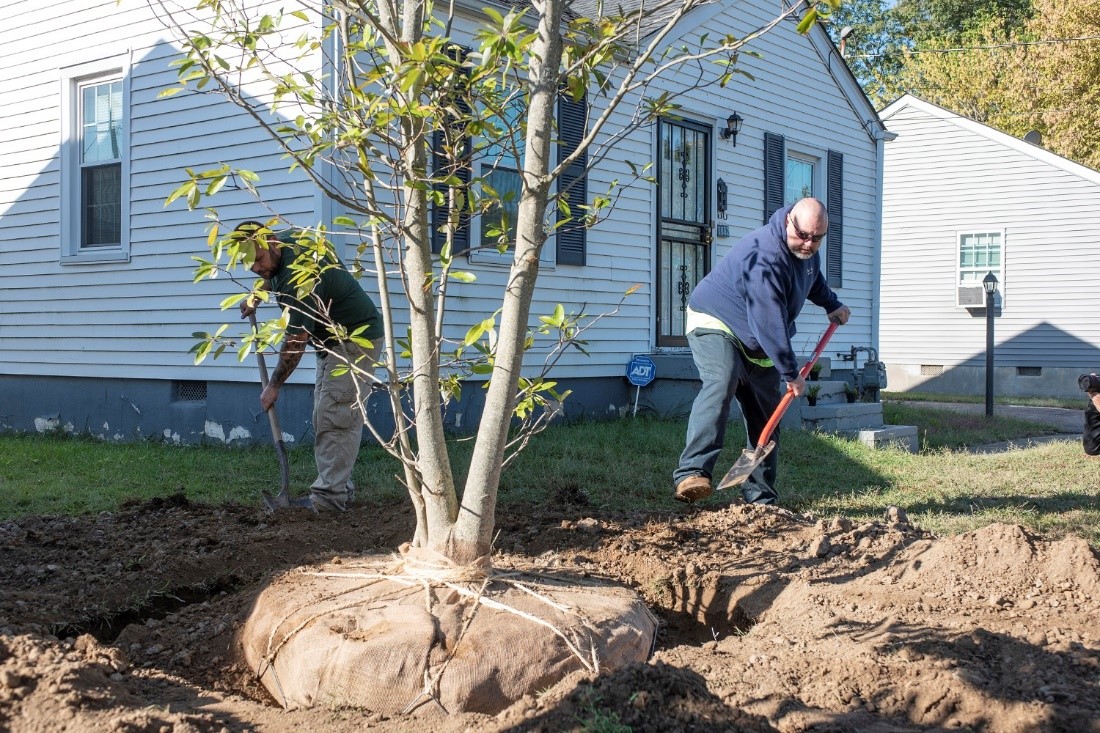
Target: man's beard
{"x": 799, "y": 255}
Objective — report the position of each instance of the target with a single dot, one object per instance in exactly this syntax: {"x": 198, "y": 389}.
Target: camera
{"x": 1089, "y": 383}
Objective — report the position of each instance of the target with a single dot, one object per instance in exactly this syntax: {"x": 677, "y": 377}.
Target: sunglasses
{"x": 806, "y": 236}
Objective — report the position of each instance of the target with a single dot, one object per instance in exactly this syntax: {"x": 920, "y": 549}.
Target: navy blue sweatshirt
{"x": 758, "y": 289}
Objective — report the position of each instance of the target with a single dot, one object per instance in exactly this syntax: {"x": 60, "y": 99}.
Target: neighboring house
{"x": 961, "y": 200}
{"x": 99, "y": 304}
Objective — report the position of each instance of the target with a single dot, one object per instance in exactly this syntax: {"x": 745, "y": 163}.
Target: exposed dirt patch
{"x": 771, "y": 621}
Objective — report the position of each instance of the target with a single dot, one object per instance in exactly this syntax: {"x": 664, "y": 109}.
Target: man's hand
{"x": 248, "y": 306}
{"x": 840, "y": 315}
{"x": 798, "y": 386}
{"x": 269, "y": 397}
{"x": 1095, "y": 398}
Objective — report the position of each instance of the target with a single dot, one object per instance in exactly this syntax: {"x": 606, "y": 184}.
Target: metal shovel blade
{"x": 745, "y": 465}
{"x": 272, "y": 503}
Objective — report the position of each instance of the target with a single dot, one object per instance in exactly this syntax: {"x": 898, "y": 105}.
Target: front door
{"x": 683, "y": 222}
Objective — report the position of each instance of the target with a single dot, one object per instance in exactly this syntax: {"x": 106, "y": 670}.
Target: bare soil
{"x": 771, "y": 621}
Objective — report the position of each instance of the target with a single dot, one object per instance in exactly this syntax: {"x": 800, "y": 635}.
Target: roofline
{"x": 861, "y": 105}
{"x": 1039, "y": 153}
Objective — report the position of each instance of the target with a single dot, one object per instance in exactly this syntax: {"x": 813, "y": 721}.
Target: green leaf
{"x": 170, "y": 91}
{"x": 474, "y": 334}
{"x": 461, "y": 276}
{"x": 807, "y": 21}
{"x": 344, "y": 221}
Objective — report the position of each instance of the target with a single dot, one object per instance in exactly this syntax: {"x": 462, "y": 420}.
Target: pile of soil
{"x": 771, "y": 621}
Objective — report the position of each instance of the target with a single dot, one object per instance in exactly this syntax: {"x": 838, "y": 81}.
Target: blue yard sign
{"x": 640, "y": 371}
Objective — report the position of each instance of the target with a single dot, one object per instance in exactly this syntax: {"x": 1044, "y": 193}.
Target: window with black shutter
{"x": 774, "y": 163}
{"x": 573, "y": 183}
{"x": 451, "y": 151}
{"x": 793, "y": 172}
{"x": 834, "y": 253}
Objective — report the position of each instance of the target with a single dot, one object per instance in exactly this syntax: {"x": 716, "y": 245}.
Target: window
{"x": 791, "y": 174}
{"x": 497, "y": 168}
{"x": 799, "y": 180}
{"x": 95, "y": 163}
{"x": 979, "y": 254}
{"x": 500, "y": 174}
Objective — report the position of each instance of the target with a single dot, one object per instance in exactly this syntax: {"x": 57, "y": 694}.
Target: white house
{"x": 961, "y": 200}
{"x": 99, "y": 307}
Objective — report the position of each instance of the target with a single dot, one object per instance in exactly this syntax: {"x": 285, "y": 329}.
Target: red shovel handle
{"x": 784, "y": 403}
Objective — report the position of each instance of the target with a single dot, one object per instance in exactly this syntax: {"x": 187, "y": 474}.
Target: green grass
{"x": 1073, "y": 404}
{"x": 946, "y": 429}
{"x": 618, "y": 465}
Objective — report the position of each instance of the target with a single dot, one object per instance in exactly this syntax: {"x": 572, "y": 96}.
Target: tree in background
{"x": 1066, "y": 78}
{"x": 1016, "y": 65}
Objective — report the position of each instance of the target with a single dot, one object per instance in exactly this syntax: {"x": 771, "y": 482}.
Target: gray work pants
{"x": 339, "y": 403}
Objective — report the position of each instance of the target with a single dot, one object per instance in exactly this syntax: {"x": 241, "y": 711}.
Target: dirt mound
{"x": 770, "y": 621}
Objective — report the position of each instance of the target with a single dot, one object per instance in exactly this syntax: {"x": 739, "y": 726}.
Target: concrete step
{"x": 888, "y": 436}
{"x": 832, "y": 417}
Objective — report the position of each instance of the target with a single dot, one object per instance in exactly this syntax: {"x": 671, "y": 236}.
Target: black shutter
{"x": 774, "y": 167}
{"x": 460, "y": 169}
{"x": 572, "y": 237}
{"x": 834, "y": 250}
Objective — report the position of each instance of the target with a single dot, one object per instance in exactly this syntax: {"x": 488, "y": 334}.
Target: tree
{"x": 408, "y": 136}
{"x": 1037, "y": 69}
{"x": 402, "y": 76}
{"x": 884, "y": 36}
{"x": 1064, "y": 78}
{"x": 871, "y": 43}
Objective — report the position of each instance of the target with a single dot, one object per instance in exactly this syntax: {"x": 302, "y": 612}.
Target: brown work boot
{"x": 693, "y": 488}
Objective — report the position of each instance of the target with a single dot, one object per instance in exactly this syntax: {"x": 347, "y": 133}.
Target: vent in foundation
{"x": 189, "y": 391}
{"x": 931, "y": 370}
{"x": 1029, "y": 371}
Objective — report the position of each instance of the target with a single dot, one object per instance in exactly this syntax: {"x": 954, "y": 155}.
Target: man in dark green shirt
{"x": 325, "y": 315}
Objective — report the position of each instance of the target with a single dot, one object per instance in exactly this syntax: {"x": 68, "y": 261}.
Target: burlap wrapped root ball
{"x": 396, "y": 639}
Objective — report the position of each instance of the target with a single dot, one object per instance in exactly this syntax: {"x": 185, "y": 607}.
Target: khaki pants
{"x": 339, "y": 403}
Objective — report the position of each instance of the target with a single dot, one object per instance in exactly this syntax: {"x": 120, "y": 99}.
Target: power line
{"x": 988, "y": 47}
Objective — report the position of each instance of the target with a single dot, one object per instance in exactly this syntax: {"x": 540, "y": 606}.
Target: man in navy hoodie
{"x": 740, "y": 321}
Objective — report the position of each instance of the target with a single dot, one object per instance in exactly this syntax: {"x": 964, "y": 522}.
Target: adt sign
{"x": 641, "y": 370}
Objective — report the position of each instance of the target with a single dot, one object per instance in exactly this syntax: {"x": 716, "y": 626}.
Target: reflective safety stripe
{"x": 695, "y": 320}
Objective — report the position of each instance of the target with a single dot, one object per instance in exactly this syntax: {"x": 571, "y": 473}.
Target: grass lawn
{"x": 626, "y": 464}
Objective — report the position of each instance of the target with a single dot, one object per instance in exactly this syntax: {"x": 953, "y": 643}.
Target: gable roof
{"x": 991, "y": 133}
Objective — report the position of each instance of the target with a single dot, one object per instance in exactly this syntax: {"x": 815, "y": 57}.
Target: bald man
{"x": 740, "y": 321}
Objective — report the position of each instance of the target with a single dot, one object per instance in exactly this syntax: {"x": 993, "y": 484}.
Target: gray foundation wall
{"x": 970, "y": 380}
{"x": 121, "y": 410}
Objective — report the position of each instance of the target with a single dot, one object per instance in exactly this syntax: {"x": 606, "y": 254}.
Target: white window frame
{"x": 820, "y": 160}
{"x": 999, "y": 272}
{"x": 73, "y": 80}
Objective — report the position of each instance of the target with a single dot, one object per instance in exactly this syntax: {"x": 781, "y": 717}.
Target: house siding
{"x": 133, "y": 320}
{"x": 945, "y": 175}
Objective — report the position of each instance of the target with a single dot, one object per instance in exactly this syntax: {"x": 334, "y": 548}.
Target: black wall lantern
{"x": 733, "y": 126}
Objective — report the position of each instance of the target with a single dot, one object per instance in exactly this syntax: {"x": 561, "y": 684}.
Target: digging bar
{"x": 750, "y": 459}
{"x": 282, "y": 499}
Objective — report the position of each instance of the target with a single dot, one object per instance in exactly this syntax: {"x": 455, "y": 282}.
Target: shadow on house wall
{"x": 1043, "y": 361}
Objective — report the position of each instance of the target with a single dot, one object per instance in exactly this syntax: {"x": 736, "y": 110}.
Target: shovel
{"x": 750, "y": 459}
{"x": 282, "y": 499}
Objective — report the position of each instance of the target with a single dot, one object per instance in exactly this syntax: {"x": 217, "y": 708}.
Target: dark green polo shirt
{"x": 337, "y": 294}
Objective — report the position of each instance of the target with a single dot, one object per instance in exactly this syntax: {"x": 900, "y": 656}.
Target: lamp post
{"x": 989, "y": 282}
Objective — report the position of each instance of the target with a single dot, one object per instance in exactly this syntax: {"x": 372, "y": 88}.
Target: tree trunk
{"x": 436, "y": 487}
{"x": 474, "y": 528}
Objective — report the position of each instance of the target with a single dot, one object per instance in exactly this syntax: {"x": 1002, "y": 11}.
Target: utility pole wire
{"x": 989, "y": 47}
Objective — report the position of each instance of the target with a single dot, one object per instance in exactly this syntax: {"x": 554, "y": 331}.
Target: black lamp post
{"x": 989, "y": 282}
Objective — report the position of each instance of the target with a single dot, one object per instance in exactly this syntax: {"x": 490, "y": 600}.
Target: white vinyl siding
{"x": 134, "y": 319}
{"x": 946, "y": 176}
